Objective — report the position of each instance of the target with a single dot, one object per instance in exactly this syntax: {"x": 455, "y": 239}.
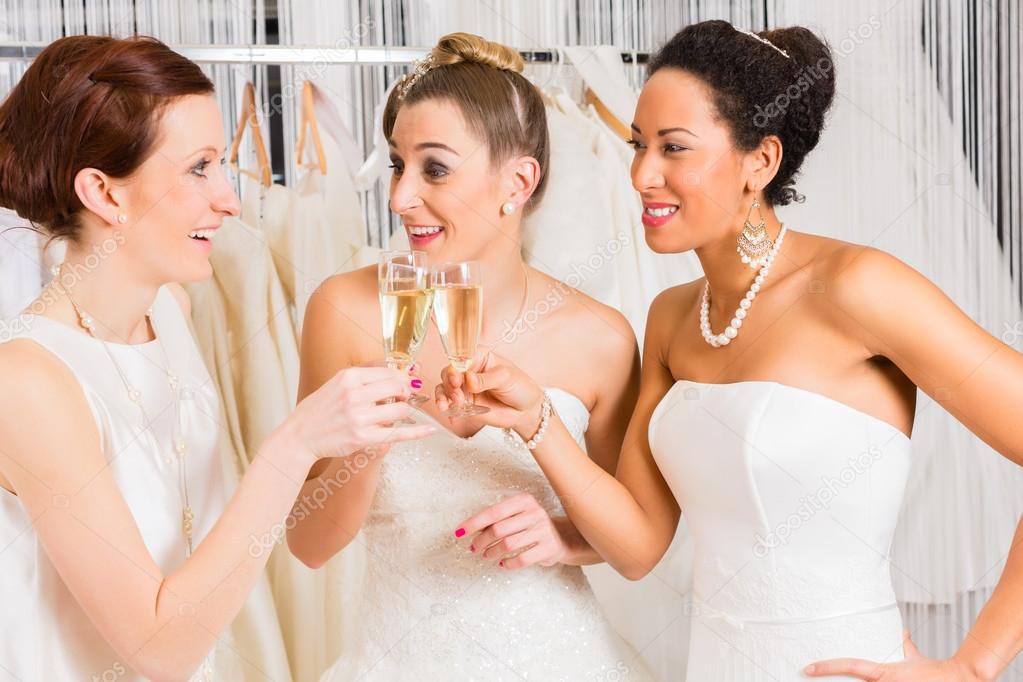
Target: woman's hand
{"x": 915, "y": 668}
{"x": 347, "y": 414}
{"x": 516, "y": 533}
{"x": 513, "y": 397}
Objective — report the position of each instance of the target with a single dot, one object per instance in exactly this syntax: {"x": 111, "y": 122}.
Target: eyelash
{"x": 435, "y": 171}
{"x": 198, "y": 168}
{"x": 637, "y": 146}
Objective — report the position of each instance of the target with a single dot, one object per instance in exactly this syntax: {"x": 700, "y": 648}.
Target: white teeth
{"x": 423, "y": 231}
{"x": 201, "y": 234}
{"x": 661, "y": 212}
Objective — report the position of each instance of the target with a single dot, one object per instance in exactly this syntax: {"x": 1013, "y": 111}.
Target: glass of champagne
{"x": 405, "y": 300}
{"x": 458, "y": 312}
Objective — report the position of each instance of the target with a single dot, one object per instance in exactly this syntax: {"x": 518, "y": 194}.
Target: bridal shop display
{"x": 924, "y": 174}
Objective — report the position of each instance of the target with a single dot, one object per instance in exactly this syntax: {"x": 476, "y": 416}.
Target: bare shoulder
{"x": 597, "y": 326}
{"x": 857, "y": 276}
{"x": 47, "y": 389}
{"x": 669, "y": 305}
{"x": 346, "y": 295}
{"x": 181, "y": 296}
{"x": 339, "y": 326}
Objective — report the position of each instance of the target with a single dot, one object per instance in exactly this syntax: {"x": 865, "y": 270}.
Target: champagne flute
{"x": 458, "y": 312}
{"x": 405, "y": 300}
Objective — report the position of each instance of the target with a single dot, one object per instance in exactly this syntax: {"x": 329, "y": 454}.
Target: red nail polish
{"x": 417, "y": 383}
{"x": 460, "y": 532}
{"x": 500, "y": 563}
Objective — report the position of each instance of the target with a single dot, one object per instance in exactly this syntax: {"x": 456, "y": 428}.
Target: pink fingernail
{"x": 417, "y": 383}
{"x": 460, "y": 532}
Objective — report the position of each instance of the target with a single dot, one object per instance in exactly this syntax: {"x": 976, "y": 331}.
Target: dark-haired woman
{"x": 120, "y": 555}
{"x": 778, "y": 391}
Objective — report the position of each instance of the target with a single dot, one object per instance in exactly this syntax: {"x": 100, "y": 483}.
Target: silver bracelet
{"x": 546, "y": 409}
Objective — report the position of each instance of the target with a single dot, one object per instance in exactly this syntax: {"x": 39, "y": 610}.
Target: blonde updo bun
{"x": 466, "y": 47}
{"x": 484, "y": 80}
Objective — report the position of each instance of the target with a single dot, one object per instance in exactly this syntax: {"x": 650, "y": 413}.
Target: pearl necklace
{"x": 732, "y": 330}
{"x": 180, "y": 446}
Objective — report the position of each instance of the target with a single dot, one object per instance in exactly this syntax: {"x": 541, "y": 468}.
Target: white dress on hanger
{"x": 433, "y": 611}
{"x": 792, "y": 499}
{"x": 21, "y": 268}
{"x": 47, "y": 635}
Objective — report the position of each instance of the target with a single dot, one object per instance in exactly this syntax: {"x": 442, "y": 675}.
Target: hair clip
{"x": 767, "y": 42}
{"x": 422, "y": 66}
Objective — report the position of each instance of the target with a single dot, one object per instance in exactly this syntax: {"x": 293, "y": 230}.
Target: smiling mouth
{"x": 660, "y": 212}
{"x": 424, "y": 230}
{"x": 201, "y": 235}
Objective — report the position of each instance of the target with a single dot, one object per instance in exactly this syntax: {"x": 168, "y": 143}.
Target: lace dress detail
{"x": 431, "y": 610}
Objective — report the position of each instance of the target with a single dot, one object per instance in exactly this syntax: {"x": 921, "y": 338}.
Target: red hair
{"x": 85, "y": 102}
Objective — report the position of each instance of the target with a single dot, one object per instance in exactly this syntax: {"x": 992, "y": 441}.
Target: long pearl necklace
{"x": 732, "y": 330}
{"x": 180, "y": 446}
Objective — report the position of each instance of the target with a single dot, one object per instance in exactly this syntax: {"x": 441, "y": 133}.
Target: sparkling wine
{"x": 405, "y": 315}
{"x": 458, "y": 311}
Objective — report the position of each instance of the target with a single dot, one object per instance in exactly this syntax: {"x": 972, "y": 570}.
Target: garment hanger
{"x": 605, "y": 114}
{"x": 309, "y": 119}
{"x": 250, "y": 118}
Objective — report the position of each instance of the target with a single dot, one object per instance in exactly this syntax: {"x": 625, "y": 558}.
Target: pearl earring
{"x": 508, "y": 208}
{"x": 122, "y": 219}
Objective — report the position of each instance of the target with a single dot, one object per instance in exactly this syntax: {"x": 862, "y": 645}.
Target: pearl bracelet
{"x": 545, "y": 418}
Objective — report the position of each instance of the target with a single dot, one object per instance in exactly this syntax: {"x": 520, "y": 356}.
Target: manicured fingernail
{"x": 809, "y": 669}
{"x": 501, "y": 564}
{"x": 460, "y": 532}
{"x": 417, "y": 383}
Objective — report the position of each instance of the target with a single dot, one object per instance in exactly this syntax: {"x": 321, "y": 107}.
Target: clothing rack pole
{"x": 281, "y": 54}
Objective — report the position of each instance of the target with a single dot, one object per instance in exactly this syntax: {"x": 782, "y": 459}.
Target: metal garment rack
{"x": 280, "y": 54}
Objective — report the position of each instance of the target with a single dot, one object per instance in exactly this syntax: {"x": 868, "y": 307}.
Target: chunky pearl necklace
{"x": 732, "y": 330}
{"x": 135, "y": 396}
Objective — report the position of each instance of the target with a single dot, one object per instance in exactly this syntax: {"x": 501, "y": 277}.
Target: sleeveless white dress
{"x": 792, "y": 499}
{"x": 431, "y": 610}
{"x": 46, "y": 634}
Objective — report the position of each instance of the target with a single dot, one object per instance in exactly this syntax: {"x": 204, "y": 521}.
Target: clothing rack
{"x": 281, "y": 54}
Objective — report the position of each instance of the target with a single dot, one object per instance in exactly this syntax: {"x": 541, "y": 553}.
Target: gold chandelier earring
{"x": 754, "y": 244}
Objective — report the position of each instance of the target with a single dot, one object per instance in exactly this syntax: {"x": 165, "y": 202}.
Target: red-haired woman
{"x": 120, "y": 554}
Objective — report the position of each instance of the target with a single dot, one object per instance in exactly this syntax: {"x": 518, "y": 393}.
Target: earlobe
{"x": 93, "y": 189}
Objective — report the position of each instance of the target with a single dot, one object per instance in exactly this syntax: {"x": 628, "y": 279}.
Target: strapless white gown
{"x": 792, "y": 499}
{"x": 431, "y": 610}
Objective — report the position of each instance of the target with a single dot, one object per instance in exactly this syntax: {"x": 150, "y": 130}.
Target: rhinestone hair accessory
{"x": 767, "y": 42}
{"x": 422, "y": 66}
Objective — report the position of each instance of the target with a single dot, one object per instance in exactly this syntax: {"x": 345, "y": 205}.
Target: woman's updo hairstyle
{"x": 485, "y": 81}
{"x": 758, "y": 91}
{"x": 85, "y": 102}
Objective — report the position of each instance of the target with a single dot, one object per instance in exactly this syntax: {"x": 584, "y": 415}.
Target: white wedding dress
{"x": 792, "y": 498}
{"x": 431, "y": 610}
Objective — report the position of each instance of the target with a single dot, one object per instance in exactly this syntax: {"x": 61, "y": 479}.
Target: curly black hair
{"x": 759, "y": 92}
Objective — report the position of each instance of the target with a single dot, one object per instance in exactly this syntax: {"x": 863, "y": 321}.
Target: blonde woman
{"x": 469, "y": 148}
